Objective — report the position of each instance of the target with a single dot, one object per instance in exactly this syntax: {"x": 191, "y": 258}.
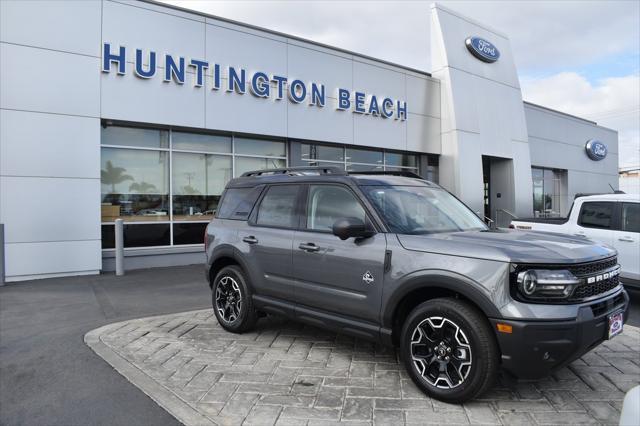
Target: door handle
{"x": 626, "y": 239}
{"x": 579, "y": 234}
{"x": 310, "y": 247}
{"x": 250, "y": 239}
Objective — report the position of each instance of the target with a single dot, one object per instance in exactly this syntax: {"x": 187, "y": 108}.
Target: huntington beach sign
{"x": 215, "y": 77}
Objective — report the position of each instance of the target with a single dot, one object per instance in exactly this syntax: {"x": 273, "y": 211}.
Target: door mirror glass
{"x": 348, "y": 227}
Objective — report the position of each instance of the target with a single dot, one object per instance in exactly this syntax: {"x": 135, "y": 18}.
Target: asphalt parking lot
{"x": 50, "y": 377}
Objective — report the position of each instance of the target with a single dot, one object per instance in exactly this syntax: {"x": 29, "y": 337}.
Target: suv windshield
{"x": 421, "y": 210}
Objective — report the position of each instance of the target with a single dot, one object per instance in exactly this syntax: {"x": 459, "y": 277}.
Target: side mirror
{"x": 348, "y": 227}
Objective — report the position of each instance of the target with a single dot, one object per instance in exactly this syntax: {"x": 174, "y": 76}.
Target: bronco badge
{"x": 367, "y": 277}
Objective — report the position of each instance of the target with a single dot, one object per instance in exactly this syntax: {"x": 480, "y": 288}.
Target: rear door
{"x": 627, "y": 240}
{"x": 596, "y": 221}
{"x": 344, "y": 277}
{"x": 267, "y": 239}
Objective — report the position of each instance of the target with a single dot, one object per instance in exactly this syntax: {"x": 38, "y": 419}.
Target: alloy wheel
{"x": 228, "y": 299}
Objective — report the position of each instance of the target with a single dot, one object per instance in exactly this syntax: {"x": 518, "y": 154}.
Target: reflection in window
{"x": 198, "y": 142}
{"x": 188, "y": 233}
{"x": 322, "y": 152}
{"x": 328, "y": 203}
{"x": 278, "y": 206}
{"x": 264, "y": 147}
{"x": 129, "y": 136}
{"x": 134, "y": 185}
{"x": 631, "y": 217}
{"x": 364, "y": 156}
{"x": 596, "y": 215}
{"x": 198, "y": 182}
{"x": 247, "y": 164}
{"x": 400, "y": 160}
{"x": 138, "y": 235}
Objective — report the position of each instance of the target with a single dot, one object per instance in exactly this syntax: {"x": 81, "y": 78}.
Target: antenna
{"x": 612, "y": 190}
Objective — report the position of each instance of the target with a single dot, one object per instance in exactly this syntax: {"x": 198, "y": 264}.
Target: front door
{"x": 596, "y": 221}
{"x": 344, "y": 277}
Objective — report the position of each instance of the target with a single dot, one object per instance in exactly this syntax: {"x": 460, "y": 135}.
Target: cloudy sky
{"x": 581, "y": 57}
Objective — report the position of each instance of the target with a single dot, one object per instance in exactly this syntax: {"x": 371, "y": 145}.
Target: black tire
{"x": 241, "y": 316}
{"x": 471, "y": 354}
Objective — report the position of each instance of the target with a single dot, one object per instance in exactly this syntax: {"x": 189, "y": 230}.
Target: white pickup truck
{"x": 613, "y": 219}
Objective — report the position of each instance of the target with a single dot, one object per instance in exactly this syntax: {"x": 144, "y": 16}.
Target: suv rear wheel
{"x": 231, "y": 300}
{"x": 449, "y": 350}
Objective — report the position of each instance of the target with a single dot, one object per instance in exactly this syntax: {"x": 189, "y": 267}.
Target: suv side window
{"x": 631, "y": 217}
{"x": 237, "y": 203}
{"x": 328, "y": 203}
{"x": 278, "y": 207}
{"x": 596, "y": 215}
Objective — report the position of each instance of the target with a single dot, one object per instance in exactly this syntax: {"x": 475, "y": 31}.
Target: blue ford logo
{"x": 596, "y": 150}
{"x": 482, "y": 49}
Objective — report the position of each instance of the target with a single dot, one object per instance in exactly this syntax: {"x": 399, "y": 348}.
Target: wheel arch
{"x": 225, "y": 256}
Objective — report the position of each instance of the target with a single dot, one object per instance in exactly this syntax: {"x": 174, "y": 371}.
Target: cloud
{"x": 611, "y": 102}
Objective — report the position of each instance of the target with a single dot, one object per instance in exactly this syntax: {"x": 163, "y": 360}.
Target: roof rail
{"x": 297, "y": 171}
{"x": 390, "y": 173}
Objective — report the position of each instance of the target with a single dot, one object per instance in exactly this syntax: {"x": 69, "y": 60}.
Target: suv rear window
{"x": 237, "y": 203}
{"x": 596, "y": 215}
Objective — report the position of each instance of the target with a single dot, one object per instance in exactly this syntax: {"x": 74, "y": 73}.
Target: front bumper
{"x": 536, "y": 348}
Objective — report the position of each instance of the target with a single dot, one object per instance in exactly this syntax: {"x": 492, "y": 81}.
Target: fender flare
{"x": 439, "y": 279}
{"x": 232, "y": 253}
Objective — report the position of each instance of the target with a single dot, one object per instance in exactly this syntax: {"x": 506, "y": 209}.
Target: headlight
{"x": 546, "y": 284}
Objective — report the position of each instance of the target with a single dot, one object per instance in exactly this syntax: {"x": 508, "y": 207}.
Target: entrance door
{"x": 486, "y": 180}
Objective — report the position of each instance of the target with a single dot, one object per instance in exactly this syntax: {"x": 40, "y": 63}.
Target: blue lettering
{"x": 401, "y": 111}
{"x": 373, "y": 106}
{"x": 139, "y": 70}
{"x": 358, "y": 101}
{"x": 344, "y": 101}
{"x": 200, "y": 66}
{"x": 216, "y": 77}
{"x": 317, "y": 94}
{"x": 260, "y": 85}
{"x": 387, "y": 108}
{"x": 235, "y": 81}
{"x": 173, "y": 70}
{"x": 108, "y": 57}
{"x": 281, "y": 82}
{"x": 297, "y": 91}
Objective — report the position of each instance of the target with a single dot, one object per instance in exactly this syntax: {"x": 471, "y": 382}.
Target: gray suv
{"x": 396, "y": 259}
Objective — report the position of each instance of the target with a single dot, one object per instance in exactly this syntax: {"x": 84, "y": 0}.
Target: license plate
{"x": 615, "y": 324}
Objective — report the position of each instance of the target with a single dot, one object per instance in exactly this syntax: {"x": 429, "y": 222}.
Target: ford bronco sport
{"x": 396, "y": 259}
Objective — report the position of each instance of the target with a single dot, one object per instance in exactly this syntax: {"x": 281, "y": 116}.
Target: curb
{"x": 166, "y": 399}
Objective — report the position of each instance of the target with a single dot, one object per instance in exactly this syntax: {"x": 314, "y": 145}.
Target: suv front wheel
{"x": 231, "y": 300}
{"x": 449, "y": 350}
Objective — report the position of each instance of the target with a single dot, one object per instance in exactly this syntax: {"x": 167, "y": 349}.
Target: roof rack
{"x": 390, "y": 173}
{"x": 297, "y": 171}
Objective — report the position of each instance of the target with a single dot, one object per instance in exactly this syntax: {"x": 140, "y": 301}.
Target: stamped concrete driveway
{"x": 289, "y": 374}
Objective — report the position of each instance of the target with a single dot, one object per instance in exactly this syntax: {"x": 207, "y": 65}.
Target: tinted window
{"x": 631, "y": 217}
{"x": 328, "y": 203}
{"x": 596, "y": 215}
{"x": 237, "y": 203}
{"x": 278, "y": 207}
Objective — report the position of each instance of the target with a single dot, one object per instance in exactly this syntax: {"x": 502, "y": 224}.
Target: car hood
{"x": 510, "y": 246}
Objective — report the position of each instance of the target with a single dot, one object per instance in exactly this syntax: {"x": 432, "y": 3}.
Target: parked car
{"x": 397, "y": 259}
{"x": 613, "y": 219}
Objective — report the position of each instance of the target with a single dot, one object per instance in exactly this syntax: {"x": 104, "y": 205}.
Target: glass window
{"x": 364, "y": 156}
{"x": 596, "y": 215}
{"x": 260, "y": 147}
{"x": 247, "y": 164}
{"x": 328, "y": 203}
{"x": 129, "y": 136}
{"x": 196, "y": 142}
{"x": 134, "y": 185}
{"x": 400, "y": 160}
{"x": 238, "y": 203}
{"x": 631, "y": 217}
{"x": 322, "y": 152}
{"x": 546, "y": 192}
{"x": 138, "y": 235}
{"x": 363, "y": 167}
{"x": 198, "y": 182}
{"x": 278, "y": 207}
{"x": 188, "y": 233}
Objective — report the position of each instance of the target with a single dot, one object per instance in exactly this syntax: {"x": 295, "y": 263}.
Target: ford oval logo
{"x": 482, "y": 49}
{"x": 596, "y": 150}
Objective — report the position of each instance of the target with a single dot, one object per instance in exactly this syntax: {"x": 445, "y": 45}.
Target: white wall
{"x": 49, "y": 137}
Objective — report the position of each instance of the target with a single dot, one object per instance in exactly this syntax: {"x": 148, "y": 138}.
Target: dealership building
{"x": 141, "y": 111}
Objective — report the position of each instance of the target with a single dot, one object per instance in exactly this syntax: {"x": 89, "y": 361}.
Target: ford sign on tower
{"x": 482, "y": 49}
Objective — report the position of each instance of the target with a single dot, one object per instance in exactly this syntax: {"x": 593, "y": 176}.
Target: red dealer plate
{"x": 615, "y": 324}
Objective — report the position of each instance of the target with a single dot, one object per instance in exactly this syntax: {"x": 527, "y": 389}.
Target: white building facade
{"x": 135, "y": 110}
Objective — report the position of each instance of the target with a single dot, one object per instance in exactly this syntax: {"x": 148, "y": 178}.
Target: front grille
{"x": 592, "y": 268}
{"x": 586, "y": 291}
{"x": 605, "y": 306}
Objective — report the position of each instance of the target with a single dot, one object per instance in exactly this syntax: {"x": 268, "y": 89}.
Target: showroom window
{"x": 166, "y": 184}
{"x": 547, "y": 198}
{"x": 357, "y": 159}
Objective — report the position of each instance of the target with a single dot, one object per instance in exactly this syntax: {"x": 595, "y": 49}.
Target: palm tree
{"x": 113, "y": 176}
{"x": 142, "y": 187}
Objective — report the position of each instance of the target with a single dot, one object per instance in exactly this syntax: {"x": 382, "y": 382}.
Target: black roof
{"x": 328, "y": 174}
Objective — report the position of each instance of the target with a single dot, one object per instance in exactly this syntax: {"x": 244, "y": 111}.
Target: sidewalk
{"x": 289, "y": 374}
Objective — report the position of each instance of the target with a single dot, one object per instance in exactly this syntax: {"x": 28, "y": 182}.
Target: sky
{"x": 580, "y": 57}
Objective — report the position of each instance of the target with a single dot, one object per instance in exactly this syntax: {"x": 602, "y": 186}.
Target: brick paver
{"x": 285, "y": 373}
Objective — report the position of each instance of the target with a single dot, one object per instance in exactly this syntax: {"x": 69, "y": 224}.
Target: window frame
{"x": 253, "y": 217}
{"x": 615, "y": 215}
